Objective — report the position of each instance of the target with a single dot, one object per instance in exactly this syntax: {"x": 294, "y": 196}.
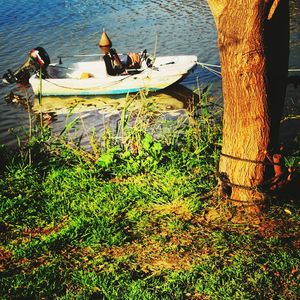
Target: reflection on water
{"x": 95, "y": 114}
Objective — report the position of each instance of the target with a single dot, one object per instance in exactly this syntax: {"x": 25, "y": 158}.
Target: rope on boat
{"x": 88, "y": 88}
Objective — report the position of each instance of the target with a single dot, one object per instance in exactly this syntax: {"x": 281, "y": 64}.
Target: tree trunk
{"x": 253, "y": 39}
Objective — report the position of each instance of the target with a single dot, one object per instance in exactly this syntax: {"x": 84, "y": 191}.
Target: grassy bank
{"x": 132, "y": 218}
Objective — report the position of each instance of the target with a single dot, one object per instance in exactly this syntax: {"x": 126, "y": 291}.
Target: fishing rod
{"x": 84, "y": 55}
{"x": 60, "y": 57}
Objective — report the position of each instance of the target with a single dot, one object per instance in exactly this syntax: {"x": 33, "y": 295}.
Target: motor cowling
{"x": 38, "y": 60}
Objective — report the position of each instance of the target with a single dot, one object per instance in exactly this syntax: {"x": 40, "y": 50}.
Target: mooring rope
{"x": 250, "y": 160}
{"x": 210, "y": 68}
{"x": 259, "y": 187}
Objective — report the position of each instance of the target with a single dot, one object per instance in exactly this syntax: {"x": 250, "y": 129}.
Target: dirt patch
{"x": 178, "y": 208}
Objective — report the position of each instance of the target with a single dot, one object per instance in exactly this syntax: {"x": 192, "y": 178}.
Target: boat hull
{"x": 68, "y": 80}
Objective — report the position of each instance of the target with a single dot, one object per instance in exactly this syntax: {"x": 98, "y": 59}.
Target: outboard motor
{"x": 38, "y": 60}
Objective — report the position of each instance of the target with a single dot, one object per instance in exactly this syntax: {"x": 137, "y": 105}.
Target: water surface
{"x": 68, "y": 27}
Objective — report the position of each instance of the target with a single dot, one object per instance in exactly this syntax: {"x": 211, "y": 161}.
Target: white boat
{"x": 91, "y": 78}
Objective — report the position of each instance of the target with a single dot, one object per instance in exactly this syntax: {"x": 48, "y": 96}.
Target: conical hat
{"x": 104, "y": 40}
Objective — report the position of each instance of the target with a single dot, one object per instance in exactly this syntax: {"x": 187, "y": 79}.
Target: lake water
{"x": 69, "y": 27}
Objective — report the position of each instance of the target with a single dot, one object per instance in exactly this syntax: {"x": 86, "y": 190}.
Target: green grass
{"x": 130, "y": 221}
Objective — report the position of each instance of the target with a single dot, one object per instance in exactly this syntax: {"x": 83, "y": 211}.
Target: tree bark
{"x": 253, "y": 39}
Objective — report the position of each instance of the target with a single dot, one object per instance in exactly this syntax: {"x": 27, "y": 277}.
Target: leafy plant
{"x": 127, "y": 219}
